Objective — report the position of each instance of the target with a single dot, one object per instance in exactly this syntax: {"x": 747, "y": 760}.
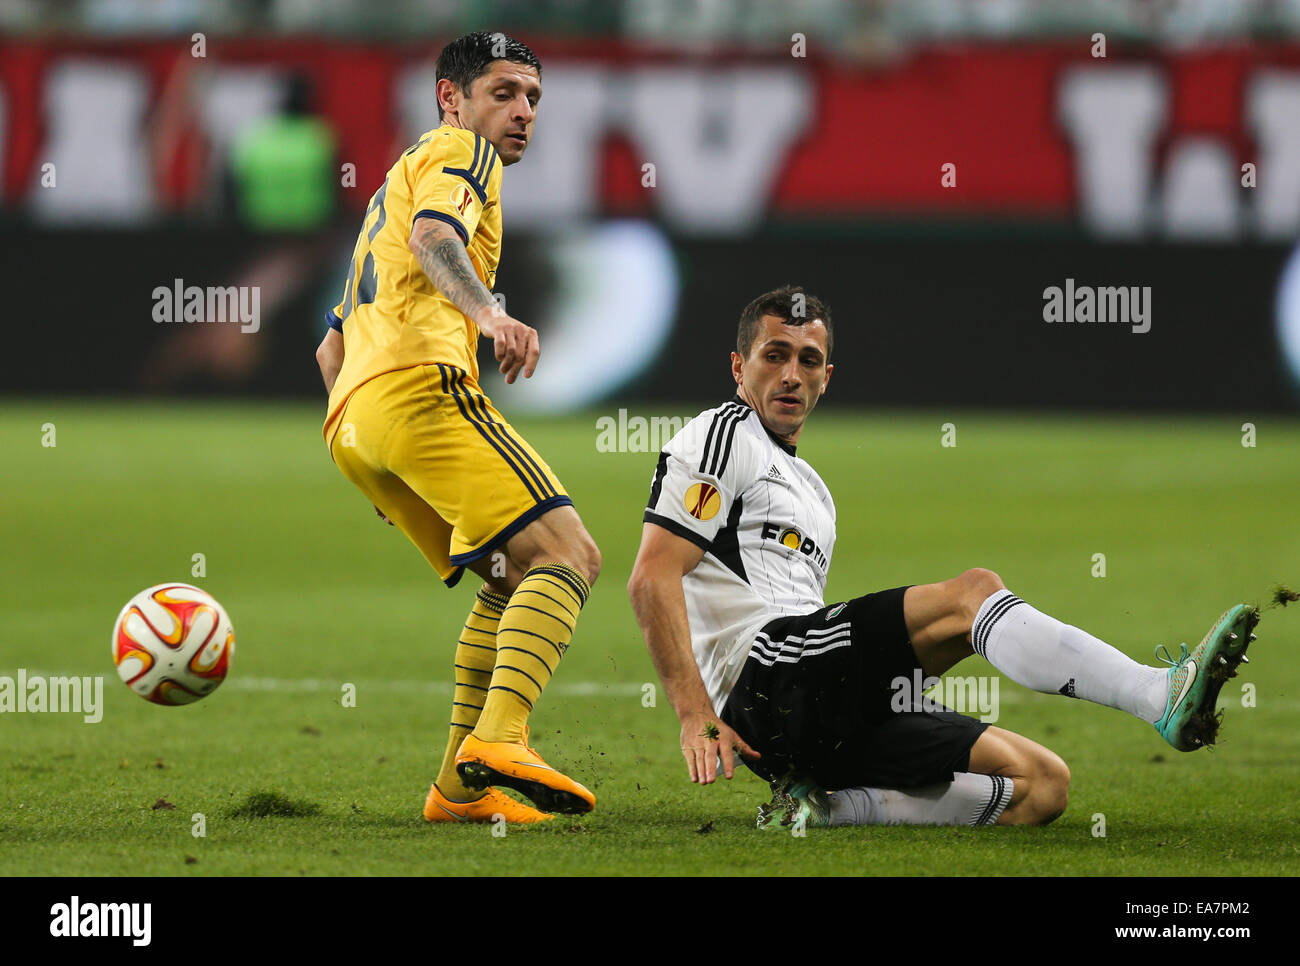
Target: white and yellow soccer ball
{"x": 172, "y": 644}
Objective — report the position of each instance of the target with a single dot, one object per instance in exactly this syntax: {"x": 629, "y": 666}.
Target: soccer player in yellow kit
{"x": 410, "y": 427}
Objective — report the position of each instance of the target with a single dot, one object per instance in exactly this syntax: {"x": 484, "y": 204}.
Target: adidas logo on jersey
{"x": 773, "y": 473}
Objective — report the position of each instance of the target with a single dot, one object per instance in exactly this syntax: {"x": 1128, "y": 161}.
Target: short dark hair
{"x": 466, "y": 58}
{"x": 792, "y": 305}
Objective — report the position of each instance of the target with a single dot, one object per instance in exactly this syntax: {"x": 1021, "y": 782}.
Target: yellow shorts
{"x": 431, "y": 451}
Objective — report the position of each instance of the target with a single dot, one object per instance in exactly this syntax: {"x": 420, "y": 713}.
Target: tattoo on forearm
{"x": 447, "y": 264}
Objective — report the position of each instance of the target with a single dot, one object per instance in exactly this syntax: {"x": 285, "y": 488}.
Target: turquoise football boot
{"x": 1190, "y": 720}
{"x": 797, "y": 803}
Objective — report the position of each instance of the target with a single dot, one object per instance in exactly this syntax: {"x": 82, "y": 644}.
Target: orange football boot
{"x": 481, "y": 764}
{"x": 439, "y": 808}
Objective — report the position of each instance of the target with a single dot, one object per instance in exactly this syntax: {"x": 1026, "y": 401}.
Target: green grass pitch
{"x": 322, "y": 595}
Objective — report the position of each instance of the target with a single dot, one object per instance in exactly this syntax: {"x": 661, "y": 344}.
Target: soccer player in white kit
{"x": 728, "y": 589}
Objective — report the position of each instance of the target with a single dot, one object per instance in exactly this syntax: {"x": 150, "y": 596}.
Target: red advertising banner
{"x": 1200, "y": 143}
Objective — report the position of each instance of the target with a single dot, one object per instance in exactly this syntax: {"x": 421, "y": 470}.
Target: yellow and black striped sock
{"x": 534, "y": 633}
{"x": 476, "y": 656}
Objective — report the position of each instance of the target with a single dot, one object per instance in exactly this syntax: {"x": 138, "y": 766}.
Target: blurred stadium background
{"x": 236, "y": 142}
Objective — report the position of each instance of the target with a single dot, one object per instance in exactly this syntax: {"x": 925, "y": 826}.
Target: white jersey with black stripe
{"x": 765, "y": 521}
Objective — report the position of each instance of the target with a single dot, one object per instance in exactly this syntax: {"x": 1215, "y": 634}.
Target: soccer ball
{"x": 172, "y": 644}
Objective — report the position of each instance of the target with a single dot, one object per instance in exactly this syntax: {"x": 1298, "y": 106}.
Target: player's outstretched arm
{"x": 656, "y": 591}
{"x": 443, "y": 258}
{"x": 329, "y": 356}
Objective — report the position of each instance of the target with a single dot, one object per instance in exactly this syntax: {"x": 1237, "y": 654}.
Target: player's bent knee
{"x": 590, "y": 568}
{"x": 1042, "y": 779}
{"x": 981, "y": 582}
{"x": 1061, "y": 788}
{"x": 1051, "y": 789}
{"x": 501, "y": 588}
{"x": 1044, "y": 803}
{"x": 557, "y": 537}
{"x": 1052, "y": 806}
{"x": 582, "y": 554}
{"x": 978, "y": 584}
{"x": 584, "y": 557}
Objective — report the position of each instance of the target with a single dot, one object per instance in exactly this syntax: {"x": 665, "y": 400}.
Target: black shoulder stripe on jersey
{"x": 658, "y": 484}
{"x": 479, "y": 189}
{"x": 484, "y": 167}
{"x": 672, "y": 526}
{"x": 708, "y": 440}
{"x": 480, "y": 143}
{"x": 443, "y": 217}
{"x": 473, "y": 174}
{"x": 722, "y": 445}
{"x": 731, "y": 433}
{"x": 717, "y": 428}
{"x": 726, "y": 545}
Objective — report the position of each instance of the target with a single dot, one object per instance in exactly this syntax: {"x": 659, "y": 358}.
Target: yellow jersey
{"x": 391, "y": 315}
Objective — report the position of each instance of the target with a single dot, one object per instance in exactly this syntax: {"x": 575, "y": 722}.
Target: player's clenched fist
{"x": 517, "y": 346}
{"x": 704, "y": 738}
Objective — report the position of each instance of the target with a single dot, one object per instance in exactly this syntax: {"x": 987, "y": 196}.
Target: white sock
{"x": 968, "y": 799}
{"x": 1046, "y": 655}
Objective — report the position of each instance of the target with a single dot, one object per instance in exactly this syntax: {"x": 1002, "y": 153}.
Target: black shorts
{"x": 818, "y": 694}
